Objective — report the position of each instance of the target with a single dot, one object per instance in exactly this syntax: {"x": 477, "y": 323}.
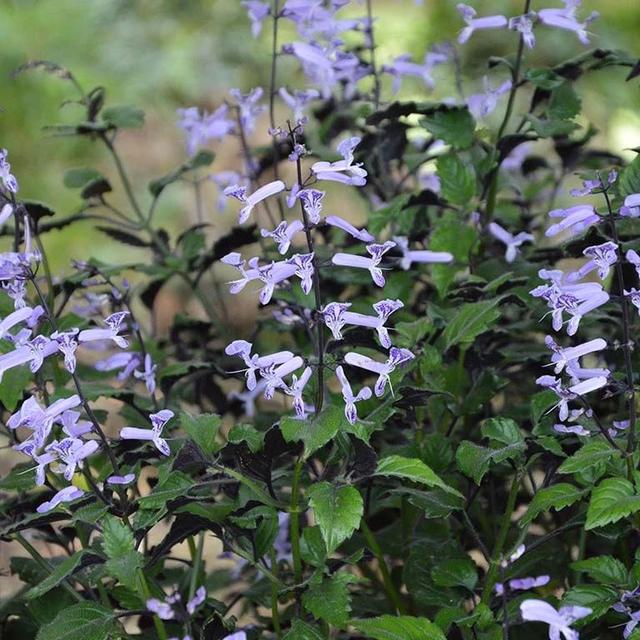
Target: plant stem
{"x": 275, "y": 614}
{"x": 501, "y": 539}
{"x": 294, "y": 523}
{"x": 272, "y": 95}
{"x": 372, "y": 55}
{"x": 392, "y": 593}
{"x": 146, "y": 593}
{"x": 196, "y": 558}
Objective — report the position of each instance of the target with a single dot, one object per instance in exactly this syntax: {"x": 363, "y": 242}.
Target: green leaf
{"x": 314, "y": 433}
{"x": 202, "y": 429}
{"x": 246, "y": 433}
{"x": 117, "y": 538}
{"x": 20, "y": 478}
{"x": 597, "y": 597}
{"x": 544, "y": 78}
{"x": 312, "y": 547}
{"x": 452, "y": 125}
{"x": 502, "y": 431}
{"x": 550, "y": 128}
{"x": 84, "y": 621}
{"x": 471, "y": 320}
{"x": 594, "y": 452}
{"x": 435, "y": 504}
{"x": 330, "y": 600}
{"x": 174, "y": 486}
{"x": 61, "y": 571}
{"x": 603, "y": 569}
{"x": 78, "y": 178}
{"x": 303, "y": 631}
{"x": 13, "y": 382}
{"x": 558, "y": 496}
{"x": 456, "y": 572}
{"x": 565, "y": 103}
{"x": 202, "y": 159}
{"x": 411, "y": 469}
{"x": 337, "y": 511}
{"x": 125, "y": 568}
{"x": 124, "y": 117}
{"x": 474, "y": 460}
{"x": 612, "y": 500}
{"x": 398, "y": 628}
{"x": 629, "y": 179}
{"x": 457, "y": 180}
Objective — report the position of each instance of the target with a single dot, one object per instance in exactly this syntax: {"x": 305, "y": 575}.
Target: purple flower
{"x": 316, "y": 65}
{"x": 632, "y": 624}
{"x": 158, "y": 420}
{"x": 113, "y": 325}
{"x": 563, "y": 356}
{"x": 128, "y": 362}
{"x": 283, "y": 234}
{"x": 304, "y": 269}
{"x": 404, "y": 66}
{"x": 573, "y": 392}
{"x": 122, "y": 480}
{"x": 312, "y": 202}
{"x": 67, "y": 345}
{"x": 70, "y": 452}
{"x": 68, "y": 494}
{"x": 296, "y": 390}
{"x": 23, "y": 314}
{"x": 254, "y": 362}
{"x": 298, "y": 100}
{"x": 222, "y": 180}
{"x": 272, "y": 275}
{"x": 72, "y": 425}
{"x": 576, "y": 429}
{"x": 341, "y": 223}
{"x": 574, "y": 219}
{"x": 199, "y": 597}
{"x": 631, "y": 208}
{"x": 522, "y": 584}
{"x": 634, "y": 259}
{"x": 559, "y": 621}
{"x": 249, "y": 107}
{"x": 163, "y": 610}
{"x": 566, "y": 19}
{"x": 6, "y": 177}
{"x": 473, "y": 24}
{"x": 524, "y": 24}
{"x": 424, "y": 257}
{"x": 240, "y": 193}
{"x": 238, "y": 635}
{"x": 512, "y": 242}
{"x": 5, "y": 213}
{"x": 342, "y": 170}
{"x": 383, "y": 369}
{"x": 634, "y": 295}
{"x": 482, "y": 104}
{"x": 257, "y": 12}
{"x": 376, "y": 251}
{"x": 148, "y": 374}
{"x": 603, "y": 256}
{"x": 350, "y": 411}
{"x": 202, "y": 127}
{"x": 274, "y": 375}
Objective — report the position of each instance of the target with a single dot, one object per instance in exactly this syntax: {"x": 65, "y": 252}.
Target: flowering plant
{"x": 428, "y": 428}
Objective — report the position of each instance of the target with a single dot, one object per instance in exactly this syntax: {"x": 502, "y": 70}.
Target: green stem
{"x": 294, "y": 523}
{"x": 501, "y": 539}
{"x": 275, "y": 614}
{"x": 196, "y": 559}
{"x": 146, "y": 593}
{"x": 392, "y": 593}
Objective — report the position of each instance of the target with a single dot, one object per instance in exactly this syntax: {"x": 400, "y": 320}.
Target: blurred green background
{"x": 164, "y": 54}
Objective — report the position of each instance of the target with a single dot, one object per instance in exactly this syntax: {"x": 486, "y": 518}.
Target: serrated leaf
{"x": 61, "y": 571}
{"x": 593, "y": 452}
{"x": 246, "y": 433}
{"x": 471, "y": 320}
{"x": 124, "y": 117}
{"x": 314, "y": 433}
{"x": 565, "y": 103}
{"x": 455, "y": 573}
{"x": 303, "y": 631}
{"x": 452, "y": 125}
{"x": 312, "y": 546}
{"x": 78, "y": 178}
{"x": 502, "y": 430}
{"x": 117, "y": 538}
{"x": 629, "y": 180}
{"x": 337, "y": 511}
{"x": 330, "y": 600}
{"x": 84, "y": 621}
{"x": 398, "y": 628}
{"x": 612, "y": 500}
{"x": 557, "y": 497}
{"x": 202, "y": 429}
{"x": 174, "y": 486}
{"x": 457, "y": 180}
{"x": 551, "y": 128}
{"x": 597, "y": 597}
{"x": 603, "y": 569}
{"x": 411, "y": 469}
{"x": 544, "y": 78}
{"x": 474, "y": 460}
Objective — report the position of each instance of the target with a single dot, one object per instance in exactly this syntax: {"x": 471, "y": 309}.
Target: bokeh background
{"x": 161, "y": 55}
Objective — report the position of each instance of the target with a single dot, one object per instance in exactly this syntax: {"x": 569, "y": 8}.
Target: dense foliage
{"x": 429, "y": 431}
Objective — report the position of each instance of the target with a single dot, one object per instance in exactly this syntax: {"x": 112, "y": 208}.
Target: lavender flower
{"x": 634, "y": 259}
{"x": 634, "y": 295}
{"x": 522, "y": 584}
{"x": 277, "y": 272}
{"x": 563, "y": 356}
{"x": 158, "y": 420}
{"x": 342, "y": 170}
{"x": 316, "y": 64}
{"x": 512, "y": 242}
{"x": 404, "y": 66}
{"x": 383, "y": 369}
{"x": 72, "y": 425}
{"x": 5, "y": 213}
{"x": 376, "y": 251}
{"x": 566, "y": 19}
{"x": 298, "y": 100}
{"x": 257, "y": 12}
{"x": 574, "y": 219}
{"x": 296, "y": 390}
{"x": 128, "y": 362}
{"x": 603, "y": 256}
{"x": 70, "y": 452}
{"x": 148, "y": 374}
{"x": 254, "y": 362}
{"x": 350, "y": 410}
{"x": 240, "y": 193}
{"x": 274, "y": 375}
{"x": 248, "y": 398}
{"x": 341, "y": 223}
{"x": 68, "y": 494}
{"x": 113, "y": 325}
{"x": 421, "y": 256}
{"x": 524, "y": 24}
{"x": 163, "y": 610}
{"x": 559, "y": 621}
{"x": 482, "y": 104}
{"x": 566, "y": 395}
{"x": 631, "y": 208}
{"x": 312, "y": 202}
{"x": 23, "y": 314}
{"x": 576, "y": 429}
{"x": 198, "y": 598}
{"x": 67, "y": 345}
{"x": 283, "y": 234}
{"x": 122, "y": 480}
{"x": 304, "y": 269}
{"x": 473, "y": 24}
{"x": 202, "y": 127}
{"x": 249, "y": 107}
{"x": 6, "y": 177}
{"x": 222, "y": 180}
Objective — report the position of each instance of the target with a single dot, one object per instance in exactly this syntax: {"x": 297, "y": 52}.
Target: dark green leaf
{"x": 124, "y": 117}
